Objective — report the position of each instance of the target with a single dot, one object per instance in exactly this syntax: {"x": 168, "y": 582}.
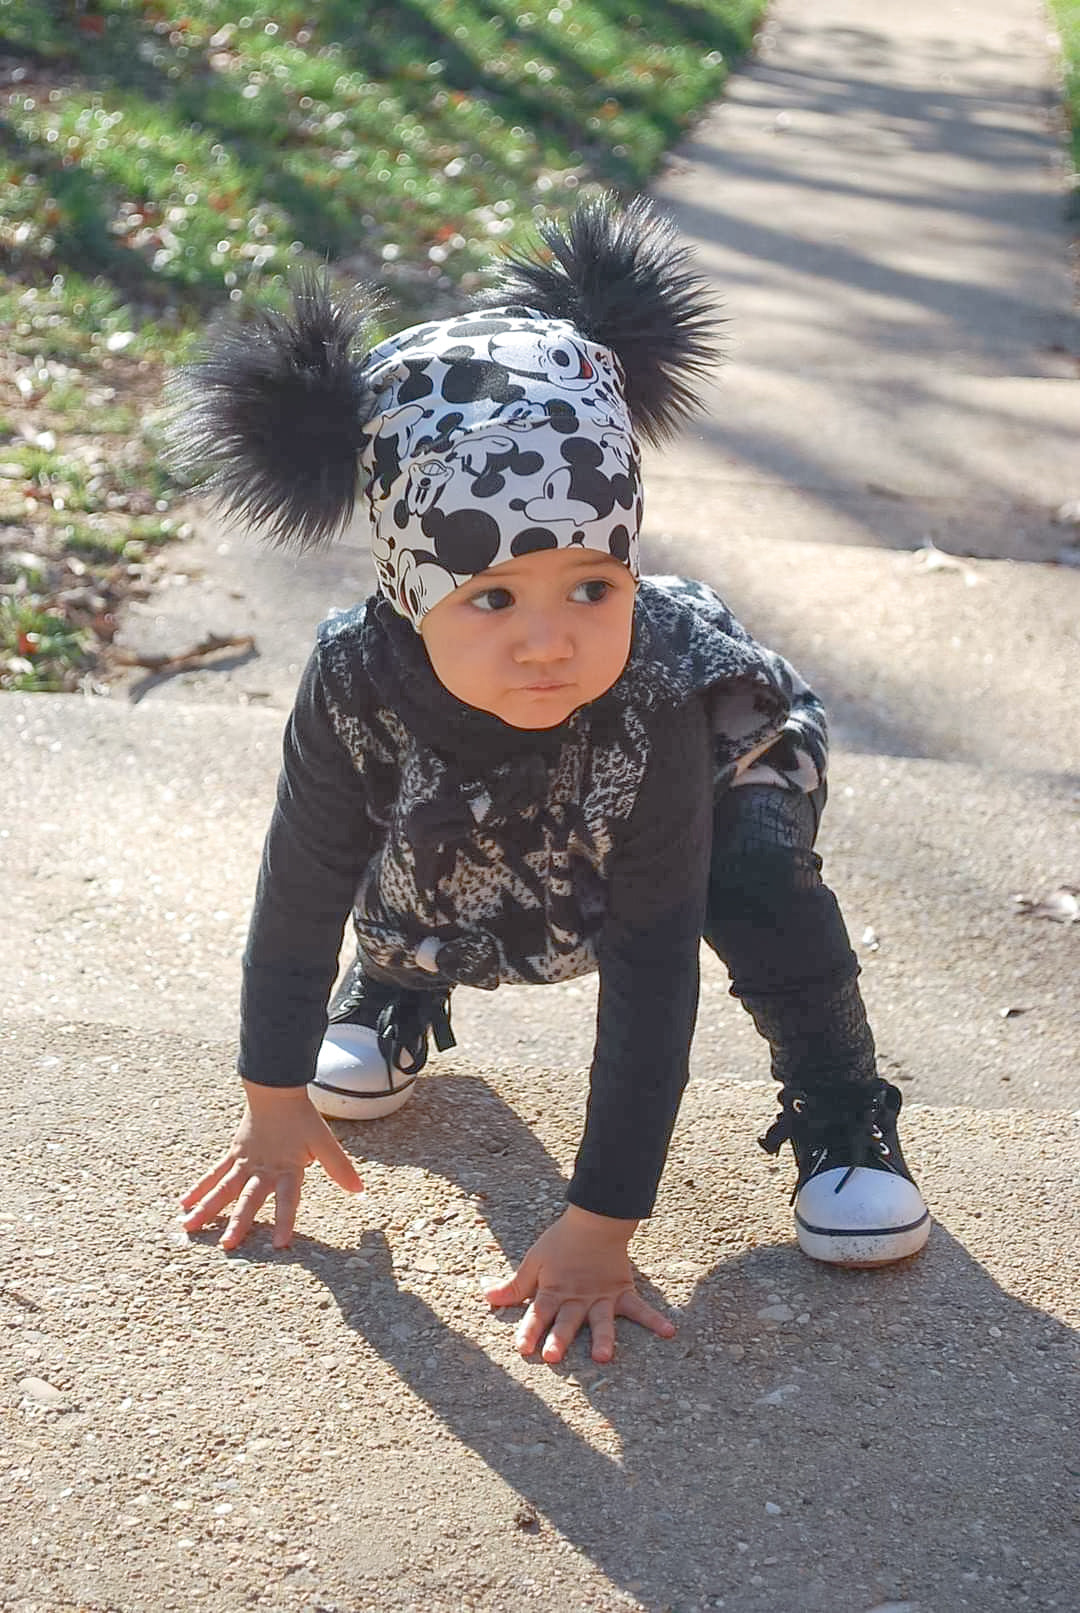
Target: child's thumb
{"x": 338, "y": 1166}
{"x": 514, "y": 1291}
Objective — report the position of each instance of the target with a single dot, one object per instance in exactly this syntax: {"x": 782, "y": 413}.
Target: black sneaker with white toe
{"x": 375, "y": 1046}
{"x": 856, "y": 1202}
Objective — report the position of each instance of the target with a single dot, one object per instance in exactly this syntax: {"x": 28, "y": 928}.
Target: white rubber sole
{"x": 875, "y": 1219}
{"x": 352, "y": 1081}
{"x": 335, "y": 1104}
{"x": 864, "y": 1247}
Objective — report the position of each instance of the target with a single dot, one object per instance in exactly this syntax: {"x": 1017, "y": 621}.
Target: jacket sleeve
{"x": 318, "y": 844}
{"x": 648, "y": 961}
{"x": 799, "y": 756}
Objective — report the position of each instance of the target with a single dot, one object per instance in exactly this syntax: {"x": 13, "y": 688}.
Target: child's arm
{"x": 648, "y": 959}
{"x": 280, "y": 1135}
{"x": 315, "y": 851}
{"x": 577, "y": 1272}
{"x": 319, "y": 842}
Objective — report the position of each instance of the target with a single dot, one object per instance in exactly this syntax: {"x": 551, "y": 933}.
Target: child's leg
{"x": 779, "y": 930}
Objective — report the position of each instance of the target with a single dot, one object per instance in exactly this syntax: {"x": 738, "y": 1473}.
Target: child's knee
{"x": 766, "y": 883}
{"x": 754, "y": 818}
{"x": 762, "y": 850}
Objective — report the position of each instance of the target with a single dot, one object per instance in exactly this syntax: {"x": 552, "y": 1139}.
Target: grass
{"x": 43, "y": 651}
{"x": 159, "y": 158}
{"x": 1066, "y": 14}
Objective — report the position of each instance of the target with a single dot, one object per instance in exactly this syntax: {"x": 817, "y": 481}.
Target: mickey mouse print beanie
{"x": 509, "y": 429}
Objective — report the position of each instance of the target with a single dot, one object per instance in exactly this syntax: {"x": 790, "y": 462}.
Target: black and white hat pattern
{"x": 497, "y": 434}
{"x": 507, "y": 430}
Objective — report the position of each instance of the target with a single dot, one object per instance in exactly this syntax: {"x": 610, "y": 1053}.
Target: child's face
{"x": 533, "y": 639}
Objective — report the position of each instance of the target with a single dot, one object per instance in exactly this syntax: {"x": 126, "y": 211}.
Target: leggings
{"x": 779, "y": 931}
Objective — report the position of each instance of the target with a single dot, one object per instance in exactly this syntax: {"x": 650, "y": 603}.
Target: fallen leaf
{"x": 527, "y": 1519}
{"x": 1062, "y": 905}
{"x": 930, "y": 558}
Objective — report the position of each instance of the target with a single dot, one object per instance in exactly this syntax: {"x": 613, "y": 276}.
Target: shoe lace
{"x": 404, "y": 1023}
{"x": 845, "y": 1122}
{"x": 401, "y": 1017}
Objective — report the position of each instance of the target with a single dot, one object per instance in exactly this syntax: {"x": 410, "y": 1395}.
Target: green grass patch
{"x": 1066, "y": 14}
{"x": 40, "y": 651}
{"x": 180, "y": 150}
{"x": 159, "y": 158}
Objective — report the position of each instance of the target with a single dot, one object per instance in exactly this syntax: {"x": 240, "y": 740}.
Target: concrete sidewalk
{"x": 879, "y": 200}
{"x": 343, "y": 1427}
{"x": 346, "y": 1427}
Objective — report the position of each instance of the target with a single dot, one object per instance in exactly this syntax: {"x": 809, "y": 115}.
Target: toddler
{"x": 519, "y": 761}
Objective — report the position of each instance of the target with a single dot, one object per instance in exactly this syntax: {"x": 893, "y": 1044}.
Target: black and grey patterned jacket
{"x": 487, "y": 877}
{"x": 473, "y": 853}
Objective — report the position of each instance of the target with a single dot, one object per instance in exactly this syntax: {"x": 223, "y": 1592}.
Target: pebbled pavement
{"x": 344, "y": 1427}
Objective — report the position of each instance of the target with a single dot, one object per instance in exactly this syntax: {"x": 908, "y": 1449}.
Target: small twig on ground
{"x": 210, "y": 645}
{"x": 7, "y": 1292}
{"x": 928, "y": 557}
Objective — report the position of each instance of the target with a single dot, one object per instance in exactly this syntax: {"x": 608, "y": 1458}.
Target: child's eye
{"x": 592, "y": 592}
{"x": 493, "y": 599}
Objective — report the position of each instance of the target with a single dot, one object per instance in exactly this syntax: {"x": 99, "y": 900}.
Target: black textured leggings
{"x": 779, "y": 931}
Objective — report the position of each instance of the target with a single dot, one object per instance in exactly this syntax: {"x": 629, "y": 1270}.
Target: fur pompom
{"x": 621, "y": 277}
{"x": 270, "y": 418}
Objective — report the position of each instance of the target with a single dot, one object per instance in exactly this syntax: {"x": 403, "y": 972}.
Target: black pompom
{"x": 621, "y": 277}
{"x": 270, "y": 417}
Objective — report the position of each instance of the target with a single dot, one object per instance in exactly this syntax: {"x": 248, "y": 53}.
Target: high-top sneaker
{"x": 375, "y": 1046}
{"x": 856, "y": 1202}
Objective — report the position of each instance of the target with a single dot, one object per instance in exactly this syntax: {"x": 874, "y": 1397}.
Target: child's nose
{"x": 543, "y": 639}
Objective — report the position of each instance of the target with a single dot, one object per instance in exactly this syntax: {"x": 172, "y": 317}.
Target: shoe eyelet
{"x": 799, "y": 1105}
{"x": 884, "y": 1150}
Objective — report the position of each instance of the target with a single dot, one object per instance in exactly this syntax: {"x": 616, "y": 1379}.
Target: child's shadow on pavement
{"x": 901, "y": 1433}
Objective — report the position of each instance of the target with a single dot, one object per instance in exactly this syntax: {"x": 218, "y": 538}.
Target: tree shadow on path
{"x": 880, "y": 215}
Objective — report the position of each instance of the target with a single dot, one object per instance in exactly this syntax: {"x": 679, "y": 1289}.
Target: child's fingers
{"x": 535, "y": 1323}
{"x": 256, "y": 1191}
{"x": 205, "y": 1183}
{"x": 602, "y": 1327}
{"x": 336, "y": 1162}
{"x": 216, "y": 1200}
{"x": 515, "y": 1291}
{"x": 636, "y": 1309}
{"x": 286, "y": 1203}
{"x": 564, "y": 1329}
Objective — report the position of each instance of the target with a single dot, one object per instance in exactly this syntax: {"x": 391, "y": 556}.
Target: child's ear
{"x": 621, "y": 278}
{"x": 270, "y": 417}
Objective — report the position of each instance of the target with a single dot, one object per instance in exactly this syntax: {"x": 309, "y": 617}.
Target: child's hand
{"x": 576, "y": 1272}
{"x": 279, "y": 1136}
